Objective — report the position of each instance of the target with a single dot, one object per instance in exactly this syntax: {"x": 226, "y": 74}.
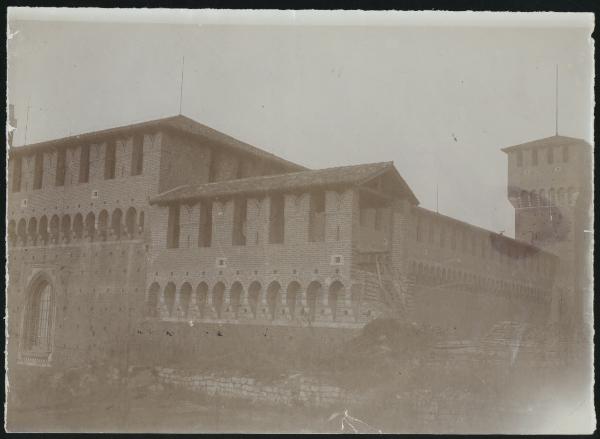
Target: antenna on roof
{"x": 181, "y": 84}
{"x": 437, "y": 197}
{"x": 556, "y": 104}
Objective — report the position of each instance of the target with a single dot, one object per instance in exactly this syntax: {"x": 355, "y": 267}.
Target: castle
{"x": 171, "y": 224}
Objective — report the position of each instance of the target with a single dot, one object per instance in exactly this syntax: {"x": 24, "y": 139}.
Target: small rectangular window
{"x": 205, "y": 232}
{"x": 84, "y": 164}
{"x": 276, "y": 220}
{"x": 61, "y": 165}
{"x": 519, "y": 158}
{"x": 565, "y": 152}
{"x": 137, "y": 155}
{"x": 239, "y": 222}
{"x": 110, "y": 160}
{"x": 38, "y": 171}
{"x": 17, "y": 173}
{"x": 173, "y": 227}
{"x": 419, "y": 230}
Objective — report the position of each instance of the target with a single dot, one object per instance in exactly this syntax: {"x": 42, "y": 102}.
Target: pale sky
{"x": 439, "y": 100}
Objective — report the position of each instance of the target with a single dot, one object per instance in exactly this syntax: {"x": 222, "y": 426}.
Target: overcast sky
{"x": 439, "y": 99}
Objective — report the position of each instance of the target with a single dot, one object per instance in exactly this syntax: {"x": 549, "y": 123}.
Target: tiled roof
{"x": 547, "y": 141}
{"x": 343, "y": 175}
{"x": 178, "y": 123}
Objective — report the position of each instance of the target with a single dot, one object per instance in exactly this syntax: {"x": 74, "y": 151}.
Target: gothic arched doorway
{"x": 36, "y": 344}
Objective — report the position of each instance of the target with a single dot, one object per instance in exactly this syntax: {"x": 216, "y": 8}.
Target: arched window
{"x": 336, "y": 297}
{"x": 22, "y": 231}
{"x": 169, "y": 295}
{"x": 218, "y": 296}
{"x": 43, "y": 229}
{"x": 152, "y": 300}
{"x": 130, "y": 218}
{"x": 202, "y": 297}
{"x": 37, "y": 324}
{"x": 313, "y": 295}
{"x": 103, "y": 224}
{"x": 185, "y": 295}
{"x": 78, "y": 226}
{"x": 32, "y": 231}
{"x": 274, "y": 299}
{"x": 116, "y": 223}
{"x": 65, "y": 228}
{"x": 254, "y": 297}
{"x": 235, "y": 297}
{"x": 293, "y": 296}
{"x": 90, "y": 226}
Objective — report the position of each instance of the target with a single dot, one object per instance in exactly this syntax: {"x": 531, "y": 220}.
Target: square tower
{"x": 549, "y": 185}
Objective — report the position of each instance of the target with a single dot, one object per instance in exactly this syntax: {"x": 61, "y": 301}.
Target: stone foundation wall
{"x": 294, "y": 390}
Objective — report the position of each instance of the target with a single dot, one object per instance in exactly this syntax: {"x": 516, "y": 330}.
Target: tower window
{"x": 565, "y": 153}
{"x": 38, "y": 171}
{"x": 519, "y": 158}
{"x": 173, "y": 227}
{"x": 84, "y": 164}
{"x": 61, "y": 164}
{"x": 534, "y": 157}
{"x": 110, "y": 160}
{"x": 17, "y": 172}
{"x": 137, "y": 155}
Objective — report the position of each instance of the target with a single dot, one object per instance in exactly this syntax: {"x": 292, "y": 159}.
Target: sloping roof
{"x": 343, "y": 175}
{"x": 498, "y": 238}
{"x": 547, "y": 141}
{"x": 178, "y": 123}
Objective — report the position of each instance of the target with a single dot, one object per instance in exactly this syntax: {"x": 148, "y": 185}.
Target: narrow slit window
{"x": 61, "y": 165}
{"x": 137, "y": 155}
{"x": 316, "y": 226}
{"x": 84, "y": 164}
{"x": 205, "y": 233}
{"x": 276, "y": 220}
{"x": 173, "y": 227}
{"x": 239, "y": 221}
{"x": 550, "y": 155}
{"x": 110, "y": 160}
{"x": 38, "y": 171}
{"x": 565, "y": 153}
